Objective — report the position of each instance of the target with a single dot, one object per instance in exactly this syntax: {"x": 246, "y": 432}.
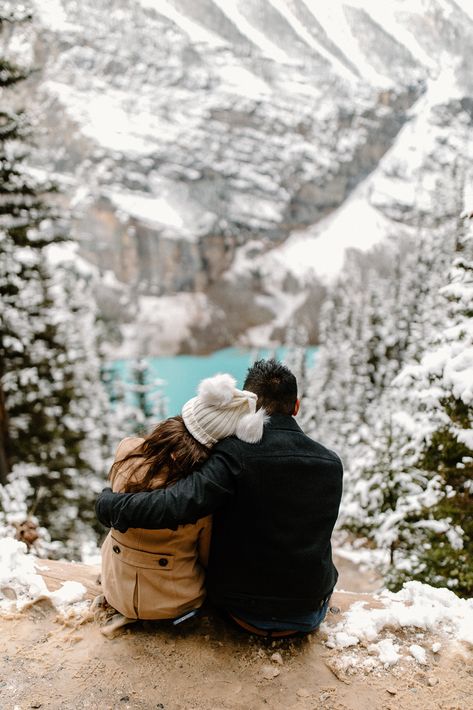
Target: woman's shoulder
{"x": 127, "y": 445}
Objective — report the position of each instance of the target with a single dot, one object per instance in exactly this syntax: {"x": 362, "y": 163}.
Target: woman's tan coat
{"x": 154, "y": 574}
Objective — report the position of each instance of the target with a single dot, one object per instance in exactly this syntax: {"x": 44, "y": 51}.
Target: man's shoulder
{"x": 324, "y": 451}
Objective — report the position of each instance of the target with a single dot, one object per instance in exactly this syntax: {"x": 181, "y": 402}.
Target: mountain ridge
{"x": 185, "y": 130}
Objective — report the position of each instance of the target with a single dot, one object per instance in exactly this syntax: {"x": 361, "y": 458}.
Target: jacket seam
{"x": 291, "y": 456}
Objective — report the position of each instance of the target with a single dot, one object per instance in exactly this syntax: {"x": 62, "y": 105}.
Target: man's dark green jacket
{"x": 274, "y": 506}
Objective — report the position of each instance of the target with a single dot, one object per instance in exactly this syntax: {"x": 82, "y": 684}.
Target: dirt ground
{"x": 52, "y": 664}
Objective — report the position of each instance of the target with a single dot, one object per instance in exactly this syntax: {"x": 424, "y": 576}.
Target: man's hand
{"x": 104, "y": 509}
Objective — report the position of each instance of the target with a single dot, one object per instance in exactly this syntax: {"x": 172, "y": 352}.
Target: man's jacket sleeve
{"x": 199, "y": 494}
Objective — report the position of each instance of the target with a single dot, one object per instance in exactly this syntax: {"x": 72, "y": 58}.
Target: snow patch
{"x": 241, "y": 81}
{"x": 19, "y": 579}
{"x": 321, "y": 250}
{"x": 387, "y": 652}
{"x": 418, "y": 652}
{"x": 154, "y": 210}
{"x": 417, "y": 607}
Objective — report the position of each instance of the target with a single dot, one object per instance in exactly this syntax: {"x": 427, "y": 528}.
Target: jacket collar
{"x": 283, "y": 421}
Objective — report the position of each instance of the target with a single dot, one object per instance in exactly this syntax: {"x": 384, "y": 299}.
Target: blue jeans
{"x": 304, "y": 623}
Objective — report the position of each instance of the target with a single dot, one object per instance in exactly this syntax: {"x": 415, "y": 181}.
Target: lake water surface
{"x": 182, "y": 373}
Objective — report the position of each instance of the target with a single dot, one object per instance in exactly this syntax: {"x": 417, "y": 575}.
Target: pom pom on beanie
{"x": 218, "y": 390}
{"x": 250, "y": 426}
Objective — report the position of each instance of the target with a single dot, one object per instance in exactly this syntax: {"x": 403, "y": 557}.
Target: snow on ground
{"x": 242, "y": 81}
{"x": 322, "y": 249}
{"x": 374, "y": 634}
{"x": 20, "y": 585}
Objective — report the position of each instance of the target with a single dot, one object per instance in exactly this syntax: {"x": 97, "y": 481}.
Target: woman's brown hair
{"x": 169, "y": 451}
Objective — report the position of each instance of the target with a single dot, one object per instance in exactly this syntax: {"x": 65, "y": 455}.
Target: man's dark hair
{"x": 274, "y": 384}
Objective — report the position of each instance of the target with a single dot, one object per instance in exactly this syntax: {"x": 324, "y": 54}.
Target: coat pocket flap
{"x": 146, "y": 560}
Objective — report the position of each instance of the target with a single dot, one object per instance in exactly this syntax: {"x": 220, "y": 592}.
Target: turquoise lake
{"x": 182, "y": 373}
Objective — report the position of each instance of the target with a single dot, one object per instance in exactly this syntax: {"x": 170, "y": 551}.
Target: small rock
{"x": 36, "y": 705}
{"x": 124, "y": 698}
{"x": 302, "y": 693}
{"x": 432, "y": 681}
{"x": 335, "y": 610}
{"x": 277, "y": 658}
{"x": 270, "y": 672}
{"x": 391, "y": 691}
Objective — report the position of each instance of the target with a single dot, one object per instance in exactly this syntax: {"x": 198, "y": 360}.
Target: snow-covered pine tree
{"x": 435, "y": 542}
{"x": 145, "y": 391}
{"x": 136, "y": 397}
{"x": 377, "y": 319}
{"x": 386, "y": 484}
{"x": 76, "y": 316}
{"x": 47, "y": 432}
{"x": 400, "y": 316}
{"x": 360, "y": 351}
{"x": 325, "y": 406}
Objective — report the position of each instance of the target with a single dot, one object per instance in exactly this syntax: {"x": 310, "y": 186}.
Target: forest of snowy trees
{"x": 391, "y": 390}
{"x": 59, "y": 422}
{"x": 54, "y": 412}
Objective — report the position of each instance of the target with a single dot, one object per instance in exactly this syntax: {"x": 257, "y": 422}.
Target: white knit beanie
{"x": 220, "y": 410}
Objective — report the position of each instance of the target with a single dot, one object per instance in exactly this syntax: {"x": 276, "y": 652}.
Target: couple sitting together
{"x": 230, "y": 500}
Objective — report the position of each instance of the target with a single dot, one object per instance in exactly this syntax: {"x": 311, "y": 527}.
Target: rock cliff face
{"x": 193, "y": 139}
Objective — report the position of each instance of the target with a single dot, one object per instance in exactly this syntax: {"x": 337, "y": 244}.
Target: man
{"x": 274, "y": 506}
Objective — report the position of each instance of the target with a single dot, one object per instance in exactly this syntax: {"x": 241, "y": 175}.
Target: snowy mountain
{"x": 237, "y": 149}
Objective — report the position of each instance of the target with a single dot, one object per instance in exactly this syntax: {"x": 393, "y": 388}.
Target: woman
{"x": 159, "y": 574}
